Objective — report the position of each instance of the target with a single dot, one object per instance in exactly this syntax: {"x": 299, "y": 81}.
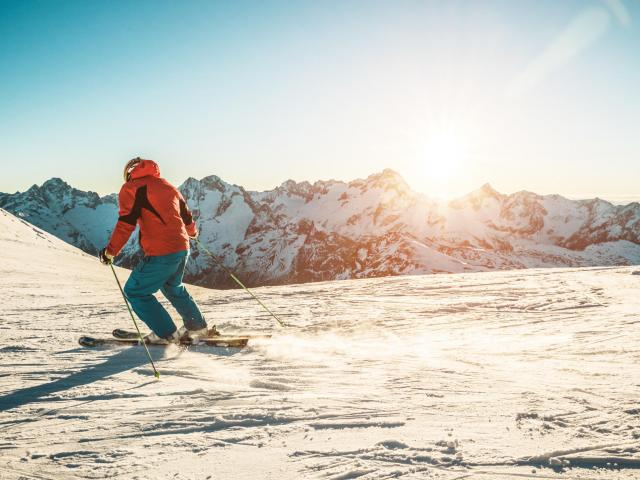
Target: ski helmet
{"x": 128, "y": 168}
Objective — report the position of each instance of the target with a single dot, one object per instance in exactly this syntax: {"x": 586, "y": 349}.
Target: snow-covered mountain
{"x": 300, "y": 232}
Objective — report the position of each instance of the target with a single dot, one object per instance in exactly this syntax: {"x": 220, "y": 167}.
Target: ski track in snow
{"x": 523, "y": 374}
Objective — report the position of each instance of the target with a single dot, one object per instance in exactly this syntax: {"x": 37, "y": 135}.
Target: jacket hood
{"x": 146, "y": 168}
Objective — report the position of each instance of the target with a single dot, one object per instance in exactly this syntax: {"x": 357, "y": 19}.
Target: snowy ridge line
{"x": 216, "y": 424}
{"x": 378, "y": 226}
{"x": 559, "y": 461}
{"x": 356, "y": 424}
{"x": 566, "y": 458}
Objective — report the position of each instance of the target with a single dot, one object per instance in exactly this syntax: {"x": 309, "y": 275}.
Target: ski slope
{"x": 505, "y": 375}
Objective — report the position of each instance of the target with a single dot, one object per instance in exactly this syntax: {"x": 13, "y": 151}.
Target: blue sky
{"x": 536, "y": 95}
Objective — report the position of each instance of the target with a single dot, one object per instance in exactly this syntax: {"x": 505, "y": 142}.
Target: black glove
{"x": 105, "y": 257}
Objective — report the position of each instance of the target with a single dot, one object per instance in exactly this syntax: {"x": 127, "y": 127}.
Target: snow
{"x": 494, "y": 375}
{"x": 438, "y": 261}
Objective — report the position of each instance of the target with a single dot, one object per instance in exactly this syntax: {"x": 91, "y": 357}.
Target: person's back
{"x": 158, "y": 207}
{"x": 166, "y": 224}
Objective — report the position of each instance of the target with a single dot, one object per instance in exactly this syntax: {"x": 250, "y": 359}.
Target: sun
{"x": 437, "y": 165}
{"x": 444, "y": 156}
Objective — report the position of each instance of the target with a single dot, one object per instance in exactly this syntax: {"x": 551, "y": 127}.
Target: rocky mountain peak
{"x": 293, "y": 188}
{"x": 214, "y": 182}
{"x": 478, "y": 198}
{"x": 388, "y": 179}
{"x": 190, "y": 182}
{"x": 55, "y": 183}
{"x": 488, "y": 191}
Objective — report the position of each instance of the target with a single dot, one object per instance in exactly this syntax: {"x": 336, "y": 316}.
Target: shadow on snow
{"x": 127, "y": 359}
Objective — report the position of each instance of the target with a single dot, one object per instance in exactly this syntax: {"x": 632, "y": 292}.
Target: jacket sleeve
{"x": 187, "y": 217}
{"x": 127, "y": 221}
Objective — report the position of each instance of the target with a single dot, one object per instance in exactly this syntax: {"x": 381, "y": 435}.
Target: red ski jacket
{"x": 158, "y": 207}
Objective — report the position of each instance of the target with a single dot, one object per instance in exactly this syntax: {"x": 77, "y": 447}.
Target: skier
{"x": 166, "y": 224}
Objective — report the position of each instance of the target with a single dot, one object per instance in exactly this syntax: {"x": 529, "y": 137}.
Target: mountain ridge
{"x": 301, "y": 231}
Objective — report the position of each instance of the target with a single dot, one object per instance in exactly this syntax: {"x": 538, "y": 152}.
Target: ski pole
{"x": 237, "y": 280}
{"x": 156, "y": 373}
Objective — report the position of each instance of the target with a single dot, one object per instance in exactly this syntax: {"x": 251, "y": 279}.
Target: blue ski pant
{"x": 162, "y": 273}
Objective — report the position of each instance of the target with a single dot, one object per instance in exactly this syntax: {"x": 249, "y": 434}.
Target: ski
{"x": 123, "y": 334}
{"x": 227, "y": 341}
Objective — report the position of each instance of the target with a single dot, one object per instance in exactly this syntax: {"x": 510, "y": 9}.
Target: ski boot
{"x": 153, "y": 339}
{"x": 194, "y": 335}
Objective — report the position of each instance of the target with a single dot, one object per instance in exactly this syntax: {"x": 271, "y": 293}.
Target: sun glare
{"x": 440, "y": 162}
{"x": 444, "y": 156}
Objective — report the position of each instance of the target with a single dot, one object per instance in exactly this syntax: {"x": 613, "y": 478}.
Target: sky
{"x": 535, "y": 95}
